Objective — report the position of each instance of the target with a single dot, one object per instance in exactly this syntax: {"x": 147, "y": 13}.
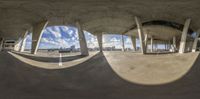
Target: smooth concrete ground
{"x": 52, "y": 60}
{"x": 92, "y": 79}
{"x": 150, "y": 69}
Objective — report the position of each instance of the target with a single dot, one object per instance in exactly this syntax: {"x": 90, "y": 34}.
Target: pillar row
{"x": 99, "y": 39}
{"x": 141, "y": 35}
{"x": 184, "y": 36}
{"x": 36, "y": 35}
{"x": 194, "y": 46}
{"x": 82, "y": 40}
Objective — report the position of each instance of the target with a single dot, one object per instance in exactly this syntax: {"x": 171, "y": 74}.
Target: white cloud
{"x": 70, "y": 32}
{"x": 114, "y": 39}
{"x": 64, "y": 28}
{"x": 55, "y": 33}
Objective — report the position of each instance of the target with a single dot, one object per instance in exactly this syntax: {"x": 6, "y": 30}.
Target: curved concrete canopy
{"x": 157, "y": 32}
{"x": 95, "y": 15}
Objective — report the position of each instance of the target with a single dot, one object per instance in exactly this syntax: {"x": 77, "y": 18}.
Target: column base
{"x": 194, "y": 50}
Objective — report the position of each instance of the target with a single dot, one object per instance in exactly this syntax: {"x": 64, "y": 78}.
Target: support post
{"x": 23, "y": 42}
{"x": 99, "y": 39}
{"x": 82, "y": 40}
{"x": 123, "y": 47}
{"x": 194, "y": 47}
{"x": 146, "y": 41}
{"x": 151, "y": 44}
{"x": 184, "y": 36}
{"x": 37, "y": 34}
{"x": 156, "y": 46}
{"x": 169, "y": 45}
{"x": 133, "y": 39}
{"x": 174, "y": 44}
{"x": 165, "y": 45}
{"x": 141, "y": 35}
{"x": 17, "y": 45}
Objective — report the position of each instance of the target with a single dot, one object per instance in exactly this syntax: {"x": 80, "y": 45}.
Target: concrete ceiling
{"x": 157, "y": 32}
{"x": 96, "y": 16}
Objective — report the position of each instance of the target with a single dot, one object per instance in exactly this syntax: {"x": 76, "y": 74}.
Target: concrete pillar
{"x": 133, "y": 39}
{"x": 141, "y": 35}
{"x": 36, "y": 35}
{"x": 169, "y": 44}
{"x": 82, "y": 40}
{"x": 123, "y": 47}
{"x": 17, "y": 44}
{"x": 174, "y": 44}
{"x": 184, "y": 36}
{"x": 194, "y": 46}
{"x": 151, "y": 44}
{"x": 1, "y": 44}
{"x": 156, "y": 46}
{"x": 146, "y": 41}
{"x": 23, "y": 42}
{"x": 99, "y": 39}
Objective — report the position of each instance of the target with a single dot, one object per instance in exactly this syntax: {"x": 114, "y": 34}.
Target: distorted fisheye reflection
{"x": 99, "y": 49}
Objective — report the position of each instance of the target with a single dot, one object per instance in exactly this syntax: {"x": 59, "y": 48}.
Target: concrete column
{"x": 123, "y": 47}
{"x": 166, "y": 48}
{"x": 99, "y": 39}
{"x": 133, "y": 39}
{"x": 37, "y": 34}
{"x": 82, "y": 40}
{"x": 194, "y": 46}
{"x": 184, "y": 36}
{"x": 146, "y": 41}
{"x": 1, "y": 44}
{"x": 17, "y": 45}
{"x": 169, "y": 44}
{"x": 151, "y": 44}
{"x": 23, "y": 42}
{"x": 141, "y": 35}
{"x": 174, "y": 44}
{"x": 156, "y": 46}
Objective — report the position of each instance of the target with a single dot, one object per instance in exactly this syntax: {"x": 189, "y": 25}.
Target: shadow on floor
{"x": 92, "y": 79}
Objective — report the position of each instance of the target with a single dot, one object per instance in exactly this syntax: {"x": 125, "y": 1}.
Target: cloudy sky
{"x": 63, "y": 36}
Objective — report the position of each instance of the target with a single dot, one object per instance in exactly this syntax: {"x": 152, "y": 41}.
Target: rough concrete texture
{"x": 96, "y": 16}
{"x": 92, "y": 79}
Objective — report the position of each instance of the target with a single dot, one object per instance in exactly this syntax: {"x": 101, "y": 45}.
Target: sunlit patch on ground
{"x": 150, "y": 69}
{"x": 48, "y": 63}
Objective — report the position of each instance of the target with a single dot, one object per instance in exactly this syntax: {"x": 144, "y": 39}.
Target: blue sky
{"x": 63, "y": 36}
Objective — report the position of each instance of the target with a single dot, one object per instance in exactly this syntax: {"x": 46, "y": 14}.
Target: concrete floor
{"x": 51, "y": 60}
{"x": 151, "y": 69}
{"x": 94, "y": 78}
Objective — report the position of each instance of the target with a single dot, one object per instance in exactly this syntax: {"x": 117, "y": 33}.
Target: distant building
{"x": 73, "y": 48}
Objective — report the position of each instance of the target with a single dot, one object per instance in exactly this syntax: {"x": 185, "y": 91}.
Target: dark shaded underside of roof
{"x": 163, "y": 23}
{"x": 167, "y": 23}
